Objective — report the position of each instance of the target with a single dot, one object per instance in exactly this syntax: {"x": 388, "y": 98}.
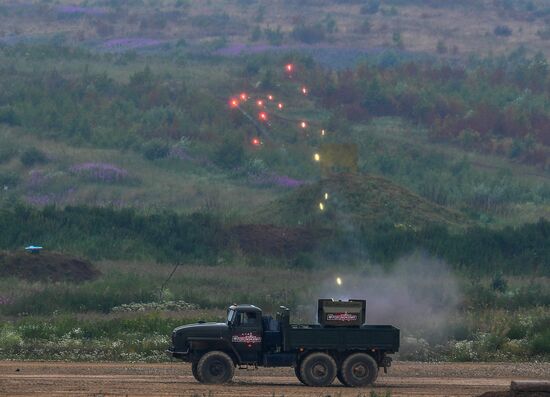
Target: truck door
{"x": 246, "y": 335}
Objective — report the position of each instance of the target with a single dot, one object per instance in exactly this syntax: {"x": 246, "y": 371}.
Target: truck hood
{"x": 199, "y": 328}
{"x": 181, "y": 336}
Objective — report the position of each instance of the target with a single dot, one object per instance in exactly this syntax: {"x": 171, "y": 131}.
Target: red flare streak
{"x": 256, "y": 141}
{"x": 262, "y": 116}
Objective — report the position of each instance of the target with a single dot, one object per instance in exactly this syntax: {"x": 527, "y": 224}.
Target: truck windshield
{"x": 230, "y": 316}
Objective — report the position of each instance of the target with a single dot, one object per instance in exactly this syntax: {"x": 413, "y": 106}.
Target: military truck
{"x": 340, "y": 346}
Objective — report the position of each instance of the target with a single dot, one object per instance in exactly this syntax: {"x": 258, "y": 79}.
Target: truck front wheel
{"x": 318, "y": 369}
{"x": 297, "y": 373}
{"x": 359, "y": 370}
{"x": 194, "y": 365}
{"x": 215, "y": 367}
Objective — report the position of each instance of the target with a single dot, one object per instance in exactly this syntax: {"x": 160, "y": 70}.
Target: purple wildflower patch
{"x": 131, "y": 43}
{"x": 99, "y": 172}
{"x": 41, "y": 200}
{"x": 243, "y": 49}
{"x": 276, "y": 180}
{"x": 286, "y": 181}
{"x": 37, "y": 179}
{"x": 78, "y": 10}
{"x": 179, "y": 153}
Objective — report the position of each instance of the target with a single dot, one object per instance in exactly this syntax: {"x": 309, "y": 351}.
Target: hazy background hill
{"x": 447, "y": 28}
{"x": 125, "y": 140}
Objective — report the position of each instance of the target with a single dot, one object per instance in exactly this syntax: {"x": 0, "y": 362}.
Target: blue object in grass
{"x": 33, "y": 249}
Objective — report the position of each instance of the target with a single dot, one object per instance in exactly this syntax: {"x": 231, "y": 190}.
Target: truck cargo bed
{"x": 380, "y": 337}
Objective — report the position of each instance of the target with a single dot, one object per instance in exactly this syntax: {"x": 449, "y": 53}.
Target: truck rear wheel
{"x": 318, "y": 369}
{"x": 215, "y": 367}
{"x": 359, "y": 370}
{"x": 339, "y": 377}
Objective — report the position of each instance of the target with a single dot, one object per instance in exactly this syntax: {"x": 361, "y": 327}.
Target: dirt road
{"x": 175, "y": 379}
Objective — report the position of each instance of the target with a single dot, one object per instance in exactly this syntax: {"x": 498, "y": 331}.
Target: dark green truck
{"x": 341, "y": 345}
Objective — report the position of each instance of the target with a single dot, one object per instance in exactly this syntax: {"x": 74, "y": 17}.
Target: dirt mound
{"x": 523, "y": 388}
{"x": 352, "y": 200}
{"x": 46, "y": 266}
{"x": 275, "y": 240}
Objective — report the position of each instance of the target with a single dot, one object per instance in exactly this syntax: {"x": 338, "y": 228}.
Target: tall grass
{"x": 77, "y": 322}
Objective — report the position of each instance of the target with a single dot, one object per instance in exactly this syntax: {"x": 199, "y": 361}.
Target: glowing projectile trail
{"x": 234, "y": 104}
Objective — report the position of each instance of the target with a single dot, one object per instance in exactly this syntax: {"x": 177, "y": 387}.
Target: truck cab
{"x": 341, "y": 345}
{"x": 245, "y": 329}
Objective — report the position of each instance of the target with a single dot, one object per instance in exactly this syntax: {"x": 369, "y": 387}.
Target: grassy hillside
{"x": 350, "y": 200}
{"x": 150, "y": 133}
{"x": 137, "y": 135}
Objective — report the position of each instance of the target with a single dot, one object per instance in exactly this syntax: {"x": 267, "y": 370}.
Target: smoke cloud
{"x": 418, "y": 294}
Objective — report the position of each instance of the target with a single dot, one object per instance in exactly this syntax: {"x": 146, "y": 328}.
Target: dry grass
{"x": 469, "y": 29}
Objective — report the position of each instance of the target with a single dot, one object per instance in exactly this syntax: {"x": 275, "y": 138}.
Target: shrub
{"x": 365, "y": 27}
{"x": 32, "y": 156}
{"x": 6, "y": 153}
{"x": 155, "y": 149}
{"x": 304, "y": 261}
{"x": 502, "y": 30}
{"x": 499, "y": 283}
{"x": 8, "y": 116}
{"x": 256, "y": 34}
{"x": 8, "y": 179}
{"x": 372, "y": 7}
{"x": 219, "y": 20}
{"x": 309, "y": 34}
{"x": 274, "y": 36}
{"x": 230, "y": 154}
{"x": 441, "y": 47}
{"x": 397, "y": 39}
{"x": 544, "y": 34}
{"x": 517, "y": 330}
{"x": 10, "y": 339}
{"x": 330, "y": 24}
{"x": 540, "y": 343}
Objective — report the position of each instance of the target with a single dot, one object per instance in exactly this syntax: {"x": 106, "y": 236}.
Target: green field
{"x": 131, "y": 156}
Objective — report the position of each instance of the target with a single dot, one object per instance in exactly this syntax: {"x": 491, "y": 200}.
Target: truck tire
{"x": 215, "y": 367}
{"x": 358, "y": 370}
{"x": 297, "y": 373}
{"x": 318, "y": 369}
{"x": 339, "y": 377}
{"x": 194, "y": 365}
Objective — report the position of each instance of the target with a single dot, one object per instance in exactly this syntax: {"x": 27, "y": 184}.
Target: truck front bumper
{"x": 175, "y": 353}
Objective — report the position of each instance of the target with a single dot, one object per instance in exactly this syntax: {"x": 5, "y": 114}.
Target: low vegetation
{"x": 93, "y": 321}
{"x": 122, "y": 156}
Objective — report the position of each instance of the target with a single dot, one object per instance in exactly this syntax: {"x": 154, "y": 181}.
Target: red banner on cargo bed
{"x": 341, "y": 317}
